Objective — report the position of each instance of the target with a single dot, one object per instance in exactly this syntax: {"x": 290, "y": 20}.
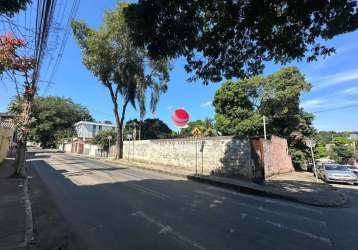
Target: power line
{"x": 72, "y": 15}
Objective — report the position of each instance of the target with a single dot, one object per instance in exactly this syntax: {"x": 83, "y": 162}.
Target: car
{"x": 337, "y": 173}
{"x": 354, "y": 169}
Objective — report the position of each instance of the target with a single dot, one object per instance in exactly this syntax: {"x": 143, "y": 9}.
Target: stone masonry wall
{"x": 223, "y": 155}
{"x": 255, "y": 159}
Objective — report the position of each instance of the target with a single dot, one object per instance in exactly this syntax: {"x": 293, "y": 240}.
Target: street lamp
{"x": 311, "y": 143}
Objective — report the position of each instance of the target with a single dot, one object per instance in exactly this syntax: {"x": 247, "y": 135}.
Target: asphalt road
{"x": 110, "y": 207}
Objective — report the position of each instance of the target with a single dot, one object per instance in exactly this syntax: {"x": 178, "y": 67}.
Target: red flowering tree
{"x": 14, "y": 64}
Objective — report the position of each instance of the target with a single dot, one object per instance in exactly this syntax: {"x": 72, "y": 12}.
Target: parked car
{"x": 337, "y": 173}
{"x": 353, "y": 168}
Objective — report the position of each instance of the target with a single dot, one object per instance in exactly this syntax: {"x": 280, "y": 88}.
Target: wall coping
{"x": 211, "y": 138}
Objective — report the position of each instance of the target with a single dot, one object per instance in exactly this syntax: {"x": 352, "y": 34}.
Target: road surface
{"x": 113, "y": 207}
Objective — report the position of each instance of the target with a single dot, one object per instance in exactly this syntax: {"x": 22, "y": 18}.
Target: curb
{"x": 29, "y": 227}
{"x": 258, "y": 192}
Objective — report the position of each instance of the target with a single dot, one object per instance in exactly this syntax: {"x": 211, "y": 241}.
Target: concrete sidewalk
{"x": 15, "y": 210}
{"x": 296, "y": 186}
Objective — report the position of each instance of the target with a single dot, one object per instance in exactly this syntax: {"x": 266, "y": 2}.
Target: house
{"x": 6, "y": 117}
{"x": 88, "y": 130}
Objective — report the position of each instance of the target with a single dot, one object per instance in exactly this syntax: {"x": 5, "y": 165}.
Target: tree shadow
{"x": 150, "y": 213}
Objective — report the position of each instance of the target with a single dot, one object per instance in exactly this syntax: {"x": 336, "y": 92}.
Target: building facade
{"x": 6, "y": 134}
{"x": 88, "y": 130}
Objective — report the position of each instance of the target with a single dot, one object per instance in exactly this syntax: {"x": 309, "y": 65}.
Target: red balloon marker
{"x": 180, "y": 118}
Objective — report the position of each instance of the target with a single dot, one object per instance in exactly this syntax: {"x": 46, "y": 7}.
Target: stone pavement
{"x": 14, "y": 216}
{"x": 295, "y": 186}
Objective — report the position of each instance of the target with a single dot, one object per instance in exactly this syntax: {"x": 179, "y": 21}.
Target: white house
{"x": 88, "y": 130}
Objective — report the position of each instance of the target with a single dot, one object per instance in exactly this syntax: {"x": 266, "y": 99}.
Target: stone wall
{"x": 223, "y": 155}
{"x": 6, "y": 133}
{"x": 253, "y": 159}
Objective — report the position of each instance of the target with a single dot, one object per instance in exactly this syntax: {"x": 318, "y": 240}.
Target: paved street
{"x": 111, "y": 207}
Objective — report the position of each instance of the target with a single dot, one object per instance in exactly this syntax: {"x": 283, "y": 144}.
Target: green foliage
{"x": 206, "y": 128}
{"x": 241, "y": 105}
{"x": 149, "y": 129}
{"x": 299, "y": 156}
{"x": 11, "y": 7}
{"x": 327, "y": 137}
{"x": 101, "y": 139}
{"x": 320, "y": 150}
{"x": 342, "y": 149}
{"x": 53, "y": 119}
{"x": 233, "y": 39}
{"x": 113, "y": 58}
{"x": 121, "y": 66}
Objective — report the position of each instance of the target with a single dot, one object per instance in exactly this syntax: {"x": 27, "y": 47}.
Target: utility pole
{"x": 264, "y": 122}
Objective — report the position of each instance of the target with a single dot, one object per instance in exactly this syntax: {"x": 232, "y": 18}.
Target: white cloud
{"x": 313, "y": 103}
{"x": 334, "y": 79}
{"x": 350, "y": 91}
{"x": 170, "y": 107}
{"x": 206, "y": 104}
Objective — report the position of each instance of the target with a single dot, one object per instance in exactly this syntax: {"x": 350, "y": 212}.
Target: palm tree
{"x": 157, "y": 83}
{"x": 197, "y": 132}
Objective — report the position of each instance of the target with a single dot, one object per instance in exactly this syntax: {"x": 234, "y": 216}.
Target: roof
{"x": 95, "y": 123}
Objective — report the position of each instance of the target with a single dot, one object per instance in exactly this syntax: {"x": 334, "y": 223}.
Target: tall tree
{"x": 53, "y": 119}
{"x": 150, "y": 129}
{"x": 119, "y": 65}
{"x": 234, "y": 38}
{"x": 9, "y": 8}
{"x": 241, "y": 105}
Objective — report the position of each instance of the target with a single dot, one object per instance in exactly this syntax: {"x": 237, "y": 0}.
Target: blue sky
{"x": 334, "y": 80}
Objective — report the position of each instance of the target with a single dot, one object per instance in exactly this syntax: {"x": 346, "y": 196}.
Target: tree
{"x": 342, "y": 149}
{"x": 320, "y": 150}
{"x": 9, "y": 8}
{"x": 235, "y": 38}
{"x": 53, "y": 119}
{"x": 102, "y": 140}
{"x": 241, "y": 105}
{"x": 205, "y": 127}
{"x": 16, "y": 65}
{"x": 120, "y": 66}
{"x": 150, "y": 129}
{"x": 235, "y": 105}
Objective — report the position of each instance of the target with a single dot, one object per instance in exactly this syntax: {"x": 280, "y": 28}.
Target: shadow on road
{"x": 134, "y": 210}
